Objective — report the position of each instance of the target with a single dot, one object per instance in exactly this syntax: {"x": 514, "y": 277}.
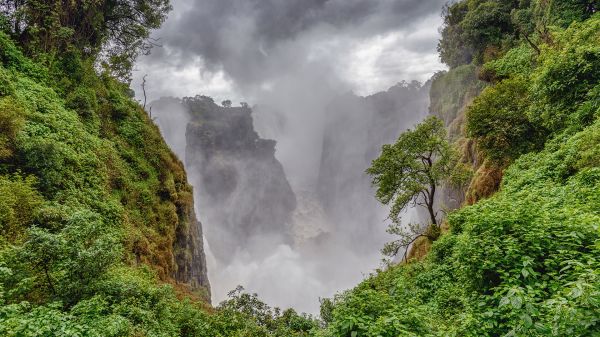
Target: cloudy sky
{"x": 234, "y": 48}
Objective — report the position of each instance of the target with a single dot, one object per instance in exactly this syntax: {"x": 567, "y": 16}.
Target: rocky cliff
{"x": 189, "y": 254}
{"x": 242, "y": 189}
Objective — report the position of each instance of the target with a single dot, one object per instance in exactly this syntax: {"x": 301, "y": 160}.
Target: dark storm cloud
{"x": 241, "y": 35}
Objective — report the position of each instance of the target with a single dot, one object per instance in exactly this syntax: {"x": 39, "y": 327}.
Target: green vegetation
{"x": 113, "y": 32}
{"x": 479, "y": 30}
{"x": 407, "y": 175}
{"x": 92, "y": 201}
{"x": 498, "y": 122}
{"x": 524, "y": 261}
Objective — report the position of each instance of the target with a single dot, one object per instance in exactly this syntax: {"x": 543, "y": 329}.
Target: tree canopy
{"x": 479, "y": 30}
{"x": 409, "y": 170}
{"x": 114, "y": 31}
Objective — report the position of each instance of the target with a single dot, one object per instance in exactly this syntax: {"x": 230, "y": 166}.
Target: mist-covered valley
{"x": 277, "y": 127}
{"x": 287, "y": 209}
{"x": 156, "y": 156}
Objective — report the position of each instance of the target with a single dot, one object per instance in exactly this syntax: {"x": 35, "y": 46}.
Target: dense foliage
{"x": 538, "y": 274}
{"x": 523, "y": 262}
{"x": 118, "y": 30}
{"x": 91, "y": 198}
{"x": 479, "y": 30}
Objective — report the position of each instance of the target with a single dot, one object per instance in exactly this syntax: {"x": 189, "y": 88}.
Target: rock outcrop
{"x": 241, "y": 188}
{"x": 189, "y": 255}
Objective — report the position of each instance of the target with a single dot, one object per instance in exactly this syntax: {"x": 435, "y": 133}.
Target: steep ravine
{"x": 259, "y": 230}
{"x": 244, "y": 192}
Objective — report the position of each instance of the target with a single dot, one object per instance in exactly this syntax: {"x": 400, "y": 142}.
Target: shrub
{"x": 518, "y": 62}
{"x": 19, "y": 203}
{"x": 566, "y": 76}
{"x": 498, "y": 121}
{"x": 11, "y": 121}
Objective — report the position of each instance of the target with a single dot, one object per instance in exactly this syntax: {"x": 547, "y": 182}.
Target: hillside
{"x": 523, "y": 260}
{"x": 98, "y": 233}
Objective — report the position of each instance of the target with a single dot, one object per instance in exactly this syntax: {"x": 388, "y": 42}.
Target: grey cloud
{"x": 241, "y": 36}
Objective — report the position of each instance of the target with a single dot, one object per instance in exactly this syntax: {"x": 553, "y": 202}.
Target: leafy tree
{"x": 117, "y": 31}
{"x": 226, "y": 103}
{"x": 408, "y": 172}
{"x": 451, "y": 48}
{"x": 472, "y": 28}
{"x": 258, "y": 318}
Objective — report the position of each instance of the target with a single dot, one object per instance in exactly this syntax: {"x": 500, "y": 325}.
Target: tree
{"x": 115, "y": 31}
{"x": 407, "y": 174}
{"x": 226, "y": 103}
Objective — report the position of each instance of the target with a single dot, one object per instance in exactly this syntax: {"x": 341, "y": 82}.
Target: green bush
{"x": 498, "y": 121}
{"x": 567, "y": 75}
{"x": 518, "y": 62}
{"x": 11, "y": 121}
{"x": 6, "y": 86}
{"x": 19, "y": 203}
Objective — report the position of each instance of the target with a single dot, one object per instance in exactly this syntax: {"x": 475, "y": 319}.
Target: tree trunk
{"x": 430, "y": 204}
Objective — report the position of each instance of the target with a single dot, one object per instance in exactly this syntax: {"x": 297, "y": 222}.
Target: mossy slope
{"x": 95, "y": 210}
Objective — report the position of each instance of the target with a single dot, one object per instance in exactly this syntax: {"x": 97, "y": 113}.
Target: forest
{"x": 99, "y": 237}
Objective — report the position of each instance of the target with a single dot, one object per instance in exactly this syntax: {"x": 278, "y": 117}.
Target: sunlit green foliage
{"x": 516, "y": 115}
{"x": 523, "y": 262}
{"x": 19, "y": 201}
{"x": 568, "y": 75}
{"x": 516, "y": 62}
{"x": 498, "y": 121}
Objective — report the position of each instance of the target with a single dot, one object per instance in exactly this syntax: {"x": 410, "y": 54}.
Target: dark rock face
{"x": 189, "y": 255}
{"x": 241, "y": 187}
{"x": 188, "y": 247}
{"x": 357, "y": 129}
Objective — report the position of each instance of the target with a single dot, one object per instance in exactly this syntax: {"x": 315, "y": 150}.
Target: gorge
{"x": 133, "y": 203}
{"x": 292, "y": 247}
